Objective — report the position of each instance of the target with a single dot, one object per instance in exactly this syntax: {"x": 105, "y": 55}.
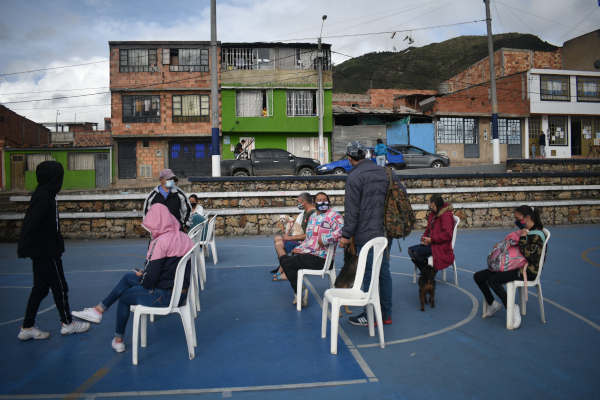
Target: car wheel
{"x": 392, "y": 167}
{"x": 306, "y": 172}
{"x": 339, "y": 171}
{"x": 241, "y": 173}
{"x": 437, "y": 164}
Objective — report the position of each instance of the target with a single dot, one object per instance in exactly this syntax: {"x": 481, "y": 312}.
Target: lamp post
{"x": 320, "y": 96}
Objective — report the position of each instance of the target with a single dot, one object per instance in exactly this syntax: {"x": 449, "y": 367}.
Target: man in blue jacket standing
{"x": 366, "y": 191}
{"x": 42, "y": 241}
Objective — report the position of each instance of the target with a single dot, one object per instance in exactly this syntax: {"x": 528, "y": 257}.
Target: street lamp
{"x": 320, "y": 97}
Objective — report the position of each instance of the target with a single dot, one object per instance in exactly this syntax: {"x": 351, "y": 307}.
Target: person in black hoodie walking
{"x": 42, "y": 241}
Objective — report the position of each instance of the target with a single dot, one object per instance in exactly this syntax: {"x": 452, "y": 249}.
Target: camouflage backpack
{"x": 398, "y": 215}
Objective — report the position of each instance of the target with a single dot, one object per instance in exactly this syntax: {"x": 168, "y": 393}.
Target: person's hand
{"x": 321, "y": 242}
{"x": 343, "y": 243}
{"x": 524, "y": 232}
{"x": 138, "y": 273}
{"x": 296, "y": 251}
{"x": 286, "y": 238}
{"x": 426, "y": 241}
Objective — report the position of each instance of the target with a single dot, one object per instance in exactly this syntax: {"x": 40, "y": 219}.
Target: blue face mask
{"x": 170, "y": 183}
{"x": 520, "y": 224}
{"x": 322, "y": 205}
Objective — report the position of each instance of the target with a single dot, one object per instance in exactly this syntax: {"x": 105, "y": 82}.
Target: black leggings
{"x": 487, "y": 279}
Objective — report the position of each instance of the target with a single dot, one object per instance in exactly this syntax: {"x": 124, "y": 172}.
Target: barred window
{"x": 557, "y": 131}
{"x": 254, "y": 103}
{"x": 81, "y": 161}
{"x": 554, "y": 87}
{"x": 509, "y": 131}
{"x": 191, "y": 108}
{"x": 289, "y": 58}
{"x": 301, "y": 103}
{"x": 33, "y": 160}
{"x": 186, "y": 60}
{"x": 588, "y": 88}
{"x": 141, "y": 109}
{"x": 458, "y": 130}
{"x": 535, "y": 126}
{"x": 136, "y": 60}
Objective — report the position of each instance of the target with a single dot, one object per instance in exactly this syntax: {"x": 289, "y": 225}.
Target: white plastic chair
{"x": 430, "y": 259}
{"x": 511, "y": 289}
{"x": 329, "y": 261}
{"x": 196, "y": 235}
{"x": 185, "y": 311}
{"x": 355, "y": 296}
{"x": 210, "y": 238}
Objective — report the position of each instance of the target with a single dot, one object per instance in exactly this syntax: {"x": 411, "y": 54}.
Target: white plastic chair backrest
{"x": 543, "y": 257}
{"x": 210, "y": 234}
{"x": 378, "y": 244}
{"x": 179, "y": 278}
{"x": 456, "y": 222}
{"x": 194, "y": 231}
{"x": 329, "y": 259}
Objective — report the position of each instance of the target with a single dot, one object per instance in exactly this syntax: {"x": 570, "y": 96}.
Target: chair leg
{"x": 203, "y": 269}
{"x": 541, "y": 300}
{"x": 510, "y": 309}
{"x": 143, "y": 330}
{"x": 213, "y": 249}
{"x": 522, "y": 301}
{"x": 415, "y": 275}
{"x": 370, "y": 320}
{"x": 335, "y": 320}
{"x": 299, "y": 290}
{"x": 444, "y": 274}
{"x": 379, "y": 318}
{"x": 324, "y": 318}
{"x": 134, "y": 339}
{"x": 455, "y": 274}
{"x": 151, "y": 317}
{"x": 187, "y": 327}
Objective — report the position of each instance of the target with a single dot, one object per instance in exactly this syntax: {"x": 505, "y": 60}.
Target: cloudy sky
{"x": 39, "y": 36}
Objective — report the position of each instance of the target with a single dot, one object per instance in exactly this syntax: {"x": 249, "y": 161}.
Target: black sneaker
{"x": 359, "y": 320}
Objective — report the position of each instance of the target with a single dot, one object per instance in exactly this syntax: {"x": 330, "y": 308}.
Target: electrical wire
{"x": 54, "y": 68}
{"x": 586, "y": 17}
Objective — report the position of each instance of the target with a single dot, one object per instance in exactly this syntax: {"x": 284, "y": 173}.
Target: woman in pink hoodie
{"x": 153, "y": 285}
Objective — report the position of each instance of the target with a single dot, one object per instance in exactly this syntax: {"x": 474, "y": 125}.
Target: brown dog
{"x": 427, "y": 286}
{"x": 345, "y": 278}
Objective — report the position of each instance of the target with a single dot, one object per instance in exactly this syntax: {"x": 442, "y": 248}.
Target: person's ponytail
{"x": 533, "y": 213}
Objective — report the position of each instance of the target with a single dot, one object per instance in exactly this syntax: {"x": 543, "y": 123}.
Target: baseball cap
{"x": 355, "y": 148}
{"x": 167, "y": 174}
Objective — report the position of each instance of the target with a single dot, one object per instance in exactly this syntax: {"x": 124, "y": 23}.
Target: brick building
{"x": 160, "y": 99}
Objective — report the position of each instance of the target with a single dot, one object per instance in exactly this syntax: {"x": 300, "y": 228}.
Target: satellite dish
{"x": 597, "y": 64}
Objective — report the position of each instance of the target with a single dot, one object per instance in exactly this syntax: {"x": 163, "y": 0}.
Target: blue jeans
{"x": 381, "y": 160}
{"x": 385, "y": 279}
{"x": 289, "y": 246}
{"x": 129, "y": 292}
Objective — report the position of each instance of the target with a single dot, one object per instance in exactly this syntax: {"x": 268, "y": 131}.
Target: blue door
{"x": 397, "y": 134}
{"x": 423, "y": 136}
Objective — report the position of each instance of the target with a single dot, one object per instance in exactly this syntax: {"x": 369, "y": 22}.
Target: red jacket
{"x": 440, "y": 227}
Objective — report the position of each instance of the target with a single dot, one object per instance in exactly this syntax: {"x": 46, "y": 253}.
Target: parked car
{"x": 395, "y": 161}
{"x": 419, "y": 158}
{"x": 265, "y": 162}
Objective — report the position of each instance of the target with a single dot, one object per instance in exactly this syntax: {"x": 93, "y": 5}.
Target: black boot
{"x": 420, "y": 264}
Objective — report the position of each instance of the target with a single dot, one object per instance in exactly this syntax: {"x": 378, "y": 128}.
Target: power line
{"x": 49, "y": 69}
{"x": 591, "y": 12}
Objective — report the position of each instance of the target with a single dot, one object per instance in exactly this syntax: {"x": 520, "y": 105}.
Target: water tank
{"x": 444, "y": 88}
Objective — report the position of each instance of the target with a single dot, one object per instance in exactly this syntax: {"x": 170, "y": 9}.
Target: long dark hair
{"x": 438, "y": 200}
{"x": 534, "y": 214}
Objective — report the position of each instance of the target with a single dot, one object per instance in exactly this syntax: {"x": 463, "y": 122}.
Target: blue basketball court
{"x": 252, "y": 343}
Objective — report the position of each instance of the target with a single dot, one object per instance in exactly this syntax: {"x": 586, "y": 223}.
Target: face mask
{"x": 322, "y": 205}
{"x": 300, "y": 206}
{"x": 520, "y": 224}
{"x": 170, "y": 183}
{"x": 193, "y": 205}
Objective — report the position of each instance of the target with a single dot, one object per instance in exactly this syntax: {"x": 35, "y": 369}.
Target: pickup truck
{"x": 265, "y": 162}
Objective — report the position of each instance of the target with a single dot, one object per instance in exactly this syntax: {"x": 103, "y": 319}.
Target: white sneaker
{"x": 516, "y": 317}
{"x": 118, "y": 347}
{"x": 88, "y": 314}
{"x": 491, "y": 310}
{"x": 33, "y": 333}
{"x": 74, "y": 327}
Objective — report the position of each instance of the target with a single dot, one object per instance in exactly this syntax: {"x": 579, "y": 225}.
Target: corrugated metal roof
{"x": 401, "y": 110}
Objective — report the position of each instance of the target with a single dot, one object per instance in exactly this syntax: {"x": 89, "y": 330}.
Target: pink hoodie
{"x": 164, "y": 227}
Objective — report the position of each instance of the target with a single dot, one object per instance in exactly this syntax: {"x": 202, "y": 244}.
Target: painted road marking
{"x": 584, "y": 255}
{"x": 21, "y": 319}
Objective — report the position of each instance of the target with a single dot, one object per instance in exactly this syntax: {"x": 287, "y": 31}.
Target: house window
{"x": 247, "y": 58}
{"x": 136, "y": 60}
{"x": 145, "y": 144}
{"x": 554, "y": 87}
{"x": 191, "y": 108}
{"x": 509, "y": 131}
{"x": 557, "y": 131}
{"x": 588, "y": 88}
{"x": 186, "y": 60}
{"x": 33, "y": 160}
{"x": 146, "y": 171}
{"x": 252, "y": 103}
{"x": 141, "y": 109}
{"x": 457, "y": 130}
{"x": 535, "y": 126}
{"x": 80, "y": 161}
{"x": 301, "y": 103}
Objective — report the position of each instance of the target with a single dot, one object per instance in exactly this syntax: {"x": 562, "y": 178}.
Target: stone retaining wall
{"x": 553, "y": 165}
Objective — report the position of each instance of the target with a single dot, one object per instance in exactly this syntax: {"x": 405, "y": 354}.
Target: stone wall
{"x": 553, "y": 165}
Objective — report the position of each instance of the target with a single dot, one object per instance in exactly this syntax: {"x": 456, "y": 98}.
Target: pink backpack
{"x": 506, "y": 255}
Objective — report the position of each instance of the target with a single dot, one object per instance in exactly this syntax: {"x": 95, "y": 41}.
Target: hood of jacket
{"x": 447, "y": 207}
{"x": 168, "y": 240}
{"x": 50, "y": 176}
{"x": 159, "y": 221}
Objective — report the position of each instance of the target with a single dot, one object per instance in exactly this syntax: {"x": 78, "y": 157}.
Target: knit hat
{"x": 355, "y": 148}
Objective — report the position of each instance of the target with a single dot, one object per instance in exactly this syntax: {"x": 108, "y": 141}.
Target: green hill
{"x": 424, "y": 67}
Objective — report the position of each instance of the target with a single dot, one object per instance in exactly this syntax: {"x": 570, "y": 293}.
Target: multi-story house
{"x": 270, "y": 98}
{"x": 160, "y": 95}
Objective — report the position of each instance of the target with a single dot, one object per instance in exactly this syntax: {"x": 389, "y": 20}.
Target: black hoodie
{"x": 40, "y": 232}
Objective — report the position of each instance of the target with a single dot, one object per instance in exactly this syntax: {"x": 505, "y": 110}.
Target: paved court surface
{"x": 252, "y": 343}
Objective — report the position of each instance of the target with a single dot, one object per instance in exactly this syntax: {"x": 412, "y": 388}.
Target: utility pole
{"x": 214, "y": 91}
{"x": 320, "y": 95}
{"x": 495, "y": 139}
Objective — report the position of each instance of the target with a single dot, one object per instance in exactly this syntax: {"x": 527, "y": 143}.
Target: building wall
{"x": 350, "y": 99}
{"x": 93, "y": 139}
{"x": 384, "y": 98}
{"x": 581, "y": 53}
{"x": 17, "y": 129}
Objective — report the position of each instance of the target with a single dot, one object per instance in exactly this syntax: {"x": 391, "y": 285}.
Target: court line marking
{"x": 21, "y": 319}
{"x": 456, "y": 325}
{"x": 585, "y": 257}
{"x": 574, "y": 237}
{"x": 15, "y": 287}
{"x": 193, "y": 391}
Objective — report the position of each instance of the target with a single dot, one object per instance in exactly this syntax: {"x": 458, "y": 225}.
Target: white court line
{"x": 406, "y": 258}
{"x": 245, "y": 245}
{"x": 21, "y": 319}
{"x": 192, "y": 391}
{"x": 15, "y": 287}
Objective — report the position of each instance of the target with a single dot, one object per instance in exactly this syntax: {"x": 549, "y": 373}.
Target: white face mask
{"x": 170, "y": 183}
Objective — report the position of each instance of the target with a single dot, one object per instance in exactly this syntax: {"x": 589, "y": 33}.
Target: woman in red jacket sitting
{"x": 437, "y": 239}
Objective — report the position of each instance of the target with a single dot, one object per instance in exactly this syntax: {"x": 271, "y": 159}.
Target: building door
{"x": 102, "y": 170}
{"x": 127, "y": 160}
{"x": 422, "y": 136}
{"x": 17, "y": 171}
{"x": 397, "y": 134}
{"x": 513, "y": 139}
{"x": 576, "y": 135}
{"x": 471, "y": 138}
{"x": 188, "y": 159}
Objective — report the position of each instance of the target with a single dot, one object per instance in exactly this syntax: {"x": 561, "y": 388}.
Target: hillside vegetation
{"x": 424, "y": 67}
